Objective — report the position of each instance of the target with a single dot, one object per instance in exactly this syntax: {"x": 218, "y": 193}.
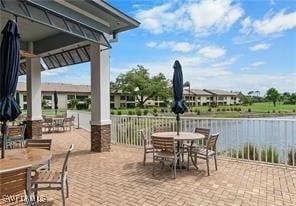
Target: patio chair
{"x": 162, "y": 129}
{"x": 165, "y": 149}
{"x": 198, "y": 143}
{"x": 15, "y": 135}
{"x": 47, "y": 124}
{"x": 41, "y": 144}
{"x": 205, "y": 152}
{"x": 15, "y": 184}
{"x": 53, "y": 180}
{"x": 148, "y": 147}
{"x": 68, "y": 123}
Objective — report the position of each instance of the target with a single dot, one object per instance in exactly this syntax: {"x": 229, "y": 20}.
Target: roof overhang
{"x": 62, "y": 30}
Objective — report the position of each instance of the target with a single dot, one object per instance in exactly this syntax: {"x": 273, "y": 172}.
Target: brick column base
{"x": 100, "y": 138}
{"x": 34, "y": 129}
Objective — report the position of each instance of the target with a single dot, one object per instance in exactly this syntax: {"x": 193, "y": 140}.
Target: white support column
{"x": 34, "y": 111}
{"x": 100, "y": 99}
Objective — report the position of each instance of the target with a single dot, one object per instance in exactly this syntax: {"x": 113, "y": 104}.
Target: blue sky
{"x": 223, "y": 44}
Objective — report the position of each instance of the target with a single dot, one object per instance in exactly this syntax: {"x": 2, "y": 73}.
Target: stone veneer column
{"x": 34, "y": 119}
{"x": 100, "y": 138}
{"x": 100, "y": 99}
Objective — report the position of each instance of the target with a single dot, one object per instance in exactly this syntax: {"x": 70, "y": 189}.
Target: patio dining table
{"x": 183, "y": 136}
{"x": 15, "y": 158}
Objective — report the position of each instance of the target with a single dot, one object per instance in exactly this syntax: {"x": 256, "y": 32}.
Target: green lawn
{"x": 255, "y": 110}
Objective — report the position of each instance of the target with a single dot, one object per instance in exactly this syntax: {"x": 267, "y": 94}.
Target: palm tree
{"x": 187, "y": 84}
{"x": 87, "y": 102}
{"x": 73, "y": 103}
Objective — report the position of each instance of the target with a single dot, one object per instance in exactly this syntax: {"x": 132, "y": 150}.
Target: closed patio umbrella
{"x": 17, "y": 98}
{"x": 9, "y": 68}
{"x": 55, "y": 101}
{"x": 178, "y": 106}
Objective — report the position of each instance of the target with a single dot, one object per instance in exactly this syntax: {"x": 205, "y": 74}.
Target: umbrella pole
{"x": 3, "y": 128}
{"x": 178, "y": 124}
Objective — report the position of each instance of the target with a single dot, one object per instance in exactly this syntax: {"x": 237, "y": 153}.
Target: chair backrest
{"x": 15, "y": 181}
{"x": 72, "y": 118}
{"x": 162, "y": 129}
{"x": 16, "y": 131}
{"x": 47, "y": 120}
{"x": 65, "y": 165}
{"x": 204, "y": 131}
{"x": 212, "y": 141}
{"x": 67, "y": 119}
{"x": 39, "y": 143}
{"x": 164, "y": 143}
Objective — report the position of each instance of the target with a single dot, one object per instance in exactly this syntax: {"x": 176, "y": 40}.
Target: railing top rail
{"x": 205, "y": 118}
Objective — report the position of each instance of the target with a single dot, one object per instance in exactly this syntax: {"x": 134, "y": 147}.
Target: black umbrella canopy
{"x": 9, "y": 67}
{"x": 55, "y": 100}
{"x": 178, "y": 106}
{"x": 17, "y": 98}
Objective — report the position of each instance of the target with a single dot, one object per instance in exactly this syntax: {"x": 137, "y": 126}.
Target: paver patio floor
{"x": 119, "y": 178}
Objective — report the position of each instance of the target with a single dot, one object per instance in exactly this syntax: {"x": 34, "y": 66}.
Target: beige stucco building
{"x": 198, "y": 97}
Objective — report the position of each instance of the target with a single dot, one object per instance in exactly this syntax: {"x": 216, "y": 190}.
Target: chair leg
{"x": 215, "y": 158}
{"x": 208, "y": 166}
{"x": 144, "y": 161}
{"x": 67, "y": 188}
{"x": 63, "y": 196}
{"x": 175, "y": 167}
{"x": 36, "y": 193}
{"x": 153, "y": 165}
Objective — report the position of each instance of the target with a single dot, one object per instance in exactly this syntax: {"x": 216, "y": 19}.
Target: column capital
{"x": 102, "y": 122}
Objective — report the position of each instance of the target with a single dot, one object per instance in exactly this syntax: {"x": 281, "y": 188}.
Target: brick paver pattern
{"x": 119, "y": 178}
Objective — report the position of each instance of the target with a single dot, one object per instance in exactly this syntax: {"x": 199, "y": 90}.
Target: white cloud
{"x": 227, "y": 62}
{"x": 55, "y": 72}
{"x": 201, "y": 18}
{"x": 214, "y": 15}
{"x": 212, "y": 52}
{"x": 257, "y": 64}
{"x": 258, "y": 47}
{"x": 270, "y": 24}
{"x": 174, "y": 46}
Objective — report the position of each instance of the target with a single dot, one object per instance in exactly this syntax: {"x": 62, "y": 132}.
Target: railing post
{"x": 78, "y": 126}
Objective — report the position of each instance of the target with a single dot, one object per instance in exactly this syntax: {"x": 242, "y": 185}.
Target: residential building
{"x": 67, "y": 92}
{"x": 198, "y": 97}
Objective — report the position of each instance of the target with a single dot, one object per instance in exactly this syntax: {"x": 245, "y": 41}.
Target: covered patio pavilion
{"x": 61, "y": 33}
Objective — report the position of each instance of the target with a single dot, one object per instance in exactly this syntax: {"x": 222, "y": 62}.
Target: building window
{"x": 208, "y": 98}
{"x": 122, "y": 97}
{"x": 47, "y": 97}
{"x": 25, "y": 98}
{"x": 220, "y": 98}
{"x": 112, "y": 98}
{"x": 122, "y": 105}
{"x": 212, "y": 98}
{"x": 25, "y": 106}
{"x": 81, "y": 98}
{"x": 198, "y": 98}
{"x": 130, "y": 98}
{"x": 112, "y": 105}
{"x": 69, "y": 97}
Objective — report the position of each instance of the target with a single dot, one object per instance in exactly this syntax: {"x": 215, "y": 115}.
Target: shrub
{"x": 290, "y": 157}
{"x": 279, "y": 111}
{"x": 154, "y": 110}
{"x": 223, "y": 109}
{"x": 195, "y": 110}
{"x": 248, "y": 152}
{"x": 119, "y": 112}
{"x": 139, "y": 112}
{"x": 249, "y": 110}
{"x": 210, "y": 109}
{"x": 146, "y": 111}
{"x": 231, "y": 109}
{"x": 191, "y": 110}
{"x": 218, "y": 110}
{"x": 266, "y": 155}
{"x": 112, "y": 112}
{"x": 130, "y": 112}
{"x": 239, "y": 109}
{"x": 198, "y": 112}
{"x": 273, "y": 111}
{"x": 227, "y": 110}
{"x": 294, "y": 110}
{"x": 162, "y": 110}
{"x": 268, "y": 111}
{"x": 155, "y": 114}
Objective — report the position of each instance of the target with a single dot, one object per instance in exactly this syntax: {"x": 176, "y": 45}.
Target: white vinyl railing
{"x": 266, "y": 140}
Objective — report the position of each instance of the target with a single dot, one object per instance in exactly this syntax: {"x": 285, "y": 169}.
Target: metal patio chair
{"x": 148, "y": 147}
{"x": 206, "y": 152}
{"x": 53, "y": 180}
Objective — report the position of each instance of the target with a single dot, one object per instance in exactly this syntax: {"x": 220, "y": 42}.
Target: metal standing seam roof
{"x": 42, "y": 12}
